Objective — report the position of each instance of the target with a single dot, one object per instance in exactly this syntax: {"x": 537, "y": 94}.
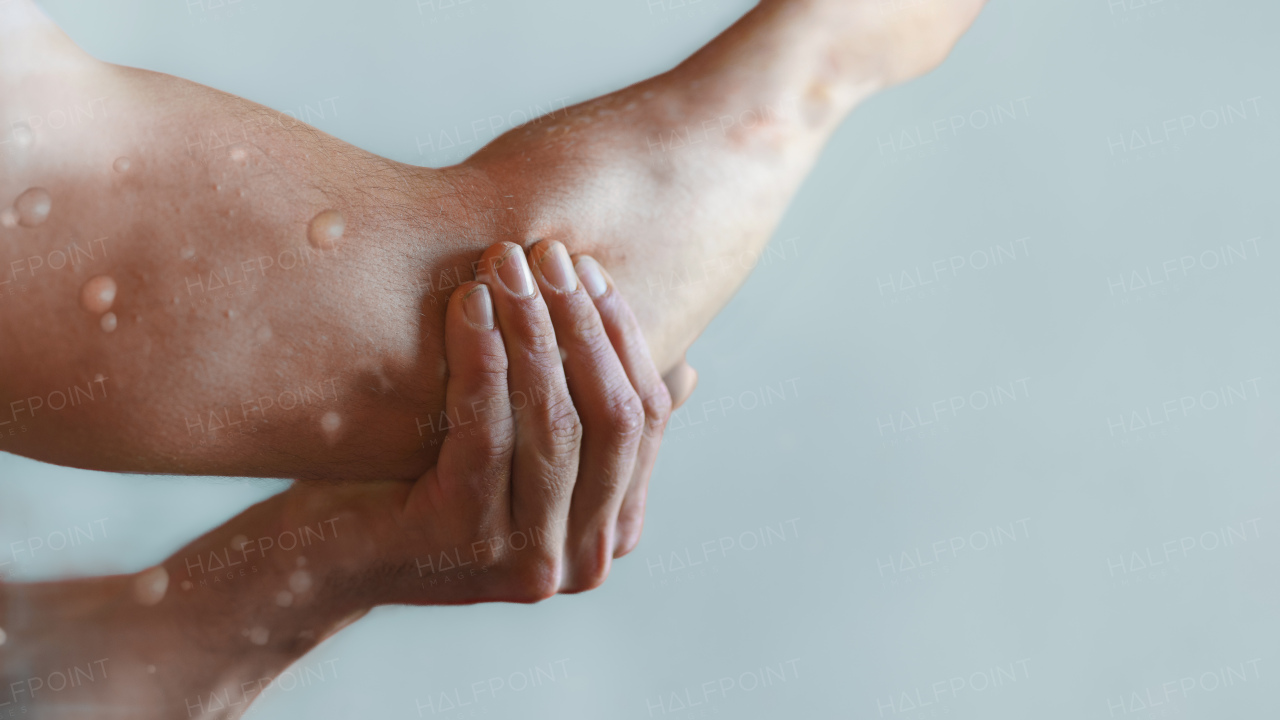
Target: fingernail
{"x": 478, "y": 307}
{"x": 557, "y": 268}
{"x": 592, "y": 277}
{"x": 514, "y": 272}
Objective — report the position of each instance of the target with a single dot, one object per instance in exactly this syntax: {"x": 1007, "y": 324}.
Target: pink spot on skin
{"x": 97, "y": 294}
{"x": 9, "y": 218}
{"x": 331, "y": 423}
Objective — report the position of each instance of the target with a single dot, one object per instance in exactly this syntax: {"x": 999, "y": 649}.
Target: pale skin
{"x": 364, "y": 323}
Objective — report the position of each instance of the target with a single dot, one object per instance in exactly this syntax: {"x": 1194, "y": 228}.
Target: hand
{"x": 541, "y": 483}
{"x": 544, "y": 463}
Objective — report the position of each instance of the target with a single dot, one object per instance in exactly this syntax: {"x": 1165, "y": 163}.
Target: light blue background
{"x": 1038, "y": 513}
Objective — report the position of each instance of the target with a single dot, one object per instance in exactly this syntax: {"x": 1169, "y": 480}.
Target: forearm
{"x": 679, "y": 181}
{"x": 184, "y": 638}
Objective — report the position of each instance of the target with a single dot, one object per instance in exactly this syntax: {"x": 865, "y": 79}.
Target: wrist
{"x": 240, "y": 605}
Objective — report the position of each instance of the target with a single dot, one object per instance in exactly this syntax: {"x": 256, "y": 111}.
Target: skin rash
{"x": 279, "y": 294}
{"x": 191, "y": 259}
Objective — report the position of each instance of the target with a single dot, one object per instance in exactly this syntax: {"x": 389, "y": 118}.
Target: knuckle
{"x": 657, "y": 407}
{"x": 584, "y": 321}
{"x": 537, "y": 578}
{"x": 495, "y": 439}
{"x": 539, "y": 337}
{"x": 563, "y": 425}
{"x": 626, "y": 418}
{"x": 587, "y": 580}
{"x": 491, "y": 368}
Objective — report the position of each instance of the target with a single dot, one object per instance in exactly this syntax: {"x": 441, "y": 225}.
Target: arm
{"x": 678, "y": 181}
{"x": 241, "y": 345}
{"x": 533, "y": 495}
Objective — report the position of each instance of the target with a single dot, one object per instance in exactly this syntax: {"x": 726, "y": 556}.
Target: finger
{"x": 476, "y": 424}
{"x": 633, "y": 351}
{"x": 611, "y": 412}
{"x": 548, "y": 431}
{"x": 680, "y": 382}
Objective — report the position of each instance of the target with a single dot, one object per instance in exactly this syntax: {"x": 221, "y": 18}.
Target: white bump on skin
{"x": 284, "y": 598}
{"x": 259, "y": 635}
{"x": 108, "y": 322}
{"x": 97, "y": 294}
{"x": 330, "y": 423}
{"x": 150, "y": 586}
{"x": 300, "y": 581}
{"x": 9, "y": 218}
{"x": 121, "y": 165}
{"x": 325, "y": 229}
{"x": 22, "y": 135}
{"x": 33, "y": 206}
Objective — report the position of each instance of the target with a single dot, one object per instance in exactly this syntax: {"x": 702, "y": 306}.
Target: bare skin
{"x": 218, "y": 191}
{"x": 362, "y": 321}
{"x": 527, "y": 500}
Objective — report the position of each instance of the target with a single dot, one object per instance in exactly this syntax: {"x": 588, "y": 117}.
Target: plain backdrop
{"x": 989, "y": 433}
